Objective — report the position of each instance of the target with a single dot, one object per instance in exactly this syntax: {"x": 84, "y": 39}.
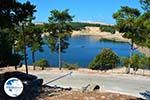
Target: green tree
{"x": 145, "y": 4}
{"x": 107, "y": 59}
{"x": 125, "y": 23}
{"x": 6, "y": 47}
{"x": 26, "y": 18}
{"x": 134, "y": 61}
{"x": 59, "y": 29}
{"x": 125, "y": 61}
{"x": 144, "y": 63}
{"x": 13, "y": 14}
{"x": 35, "y": 41}
{"x": 7, "y": 16}
{"x": 148, "y": 41}
{"x": 142, "y": 24}
{"x": 41, "y": 63}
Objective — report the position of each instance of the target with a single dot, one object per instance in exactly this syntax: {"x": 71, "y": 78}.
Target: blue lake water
{"x": 82, "y": 50}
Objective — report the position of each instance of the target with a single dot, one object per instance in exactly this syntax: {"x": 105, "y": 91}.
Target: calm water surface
{"x": 81, "y": 51}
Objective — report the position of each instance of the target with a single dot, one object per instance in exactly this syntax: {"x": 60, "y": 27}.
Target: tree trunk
{"x": 59, "y": 57}
{"x": 16, "y": 67}
{"x": 24, "y": 50}
{"x": 131, "y": 51}
{"x": 135, "y": 70}
{"x": 42, "y": 67}
{"x": 33, "y": 59}
{"x": 143, "y": 72}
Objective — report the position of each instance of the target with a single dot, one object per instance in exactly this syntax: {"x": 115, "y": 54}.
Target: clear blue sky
{"x": 83, "y": 10}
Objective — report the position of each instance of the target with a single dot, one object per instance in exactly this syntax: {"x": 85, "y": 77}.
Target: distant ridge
{"x": 95, "y": 22}
{"x": 38, "y": 23}
{"x": 89, "y": 22}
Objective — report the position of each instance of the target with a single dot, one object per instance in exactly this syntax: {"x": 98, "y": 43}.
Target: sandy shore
{"x": 95, "y": 31}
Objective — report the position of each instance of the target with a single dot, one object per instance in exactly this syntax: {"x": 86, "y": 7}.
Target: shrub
{"x": 144, "y": 63}
{"x": 134, "y": 62}
{"x": 148, "y": 63}
{"x": 11, "y": 60}
{"x": 70, "y": 66}
{"x": 125, "y": 61}
{"x": 107, "y": 59}
{"x": 42, "y": 63}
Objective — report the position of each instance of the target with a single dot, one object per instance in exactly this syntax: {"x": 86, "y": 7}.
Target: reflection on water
{"x": 82, "y": 50}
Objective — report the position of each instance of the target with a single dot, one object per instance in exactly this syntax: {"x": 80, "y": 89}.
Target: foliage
{"x": 125, "y": 61}
{"x": 125, "y": 21}
{"x": 15, "y": 59}
{"x": 144, "y": 62}
{"x": 135, "y": 26}
{"x": 70, "y": 66}
{"x": 59, "y": 27}
{"x": 107, "y": 28}
{"x": 138, "y": 61}
{"x": 82, "y": 25}
{"x": 142, "y": 24}
{"x": 148, "y": 63}
{"x": 145, "y": 4}
{"x": 5, "y": 45}
{"x": 148, "y": 41}
{"x": 42, "y": 63}
{"x": 12, "y": 14}
{"x": 134, "y": 61}
{"x": 34, "y": 39}
{"x": 107, "y": 59}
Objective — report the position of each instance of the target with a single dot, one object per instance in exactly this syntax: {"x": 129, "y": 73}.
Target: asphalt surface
{"x": 126, "y": 84}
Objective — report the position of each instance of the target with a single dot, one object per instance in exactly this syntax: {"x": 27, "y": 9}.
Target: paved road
{"x": 127, "y": 84}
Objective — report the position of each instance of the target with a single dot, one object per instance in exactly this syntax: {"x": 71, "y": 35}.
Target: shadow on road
{"x": 146, "y": 94}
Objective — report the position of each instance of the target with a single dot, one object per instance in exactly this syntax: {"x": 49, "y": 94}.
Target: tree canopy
{"x": 59, "y": 29}
{"x": 145, "y": 4}
{"x": 12, "y": 15}
{"x": 107, "y": 59}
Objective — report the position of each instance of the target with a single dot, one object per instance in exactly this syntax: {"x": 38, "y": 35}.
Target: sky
{"x": 83, "y": 10}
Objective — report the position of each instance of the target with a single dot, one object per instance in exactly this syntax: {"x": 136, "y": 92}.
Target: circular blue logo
{"x": 13, "y": 87}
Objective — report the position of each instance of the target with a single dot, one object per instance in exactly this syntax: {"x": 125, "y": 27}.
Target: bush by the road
{"x": 107, "y": 59}
{"x": 125, "y": 61}
{"x": 70, "y": 66}
{"x": 136, "y": 62}
{"x": 42, "y": 63}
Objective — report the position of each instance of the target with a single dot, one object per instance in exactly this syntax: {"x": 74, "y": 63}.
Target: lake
{"x": 82, "y": 50}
